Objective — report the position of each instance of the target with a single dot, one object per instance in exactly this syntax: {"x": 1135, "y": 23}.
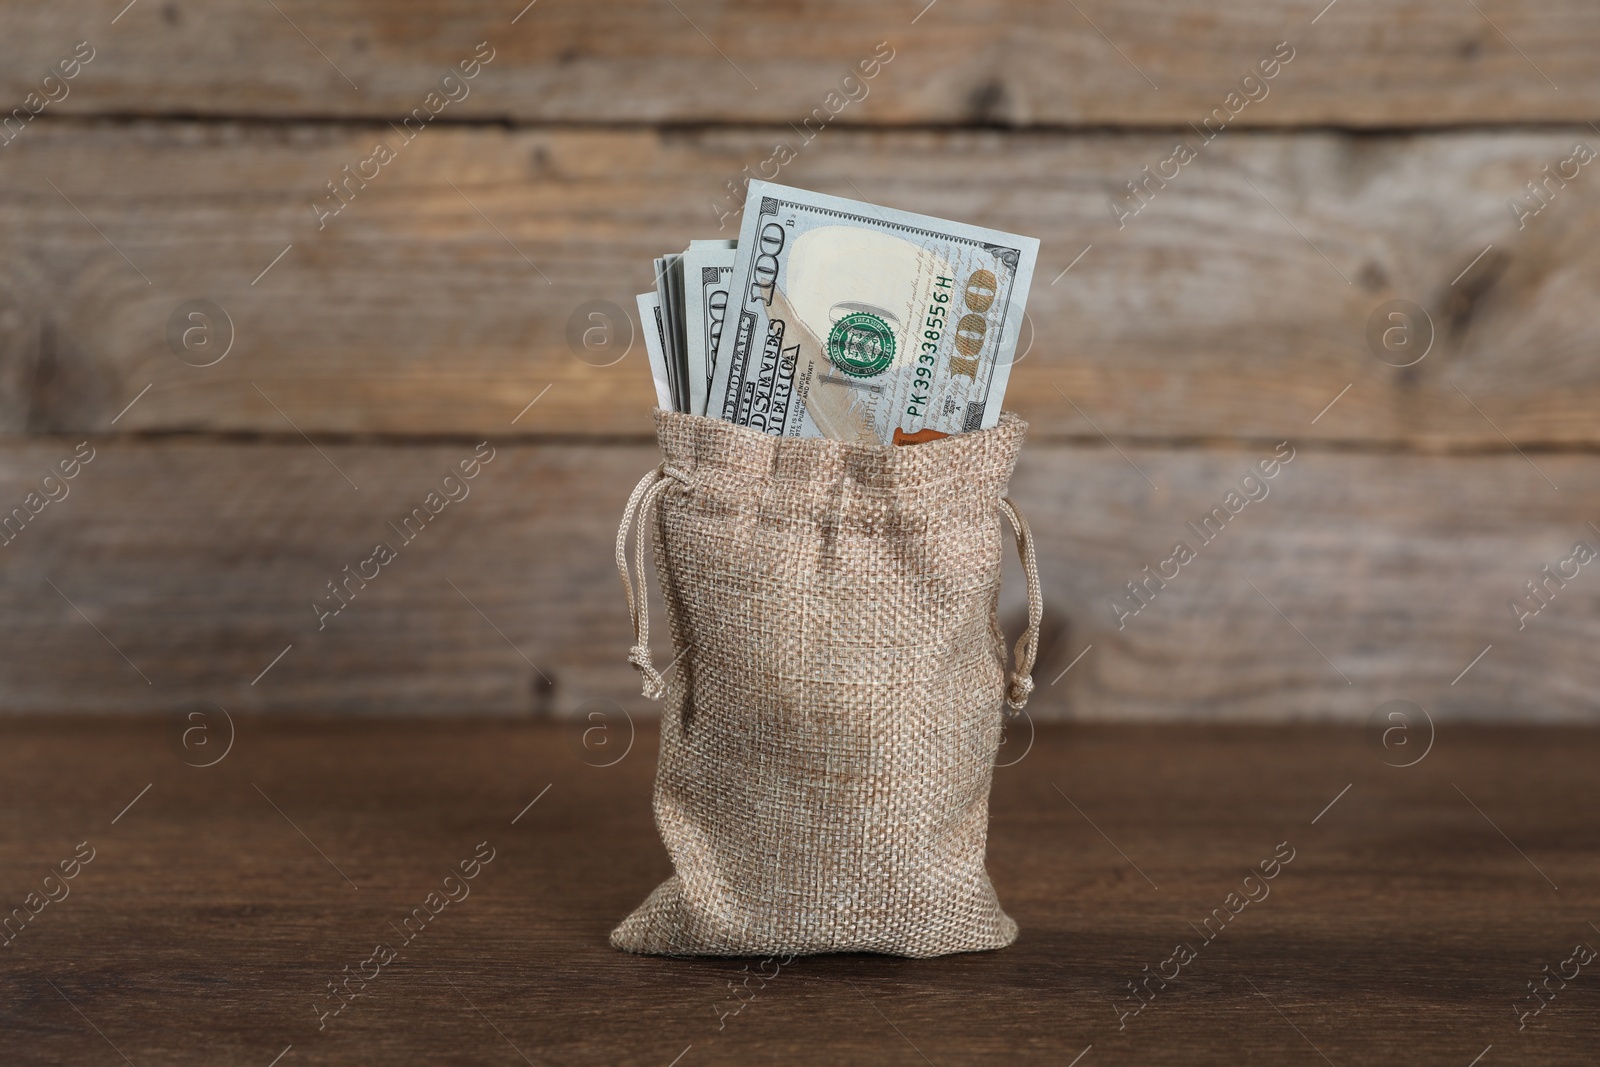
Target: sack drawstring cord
{"x": 642, "y": 505}
{"x": 1020, "y": 683}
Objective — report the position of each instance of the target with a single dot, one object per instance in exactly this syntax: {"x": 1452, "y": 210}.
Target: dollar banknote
{"x": 669, "y": 275}
{"x": 655, "y": 347}
{"x": 707, "y": 267}
{"x": 865, "y": 323}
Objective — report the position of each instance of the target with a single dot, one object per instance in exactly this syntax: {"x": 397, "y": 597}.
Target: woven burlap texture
{"x": 833, "y": 711}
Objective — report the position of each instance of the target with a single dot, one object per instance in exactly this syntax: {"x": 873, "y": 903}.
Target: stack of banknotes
{"x": 834, "y": 318}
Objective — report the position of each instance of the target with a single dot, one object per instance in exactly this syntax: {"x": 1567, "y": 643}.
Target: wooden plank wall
{"x": 1188, "y": 315}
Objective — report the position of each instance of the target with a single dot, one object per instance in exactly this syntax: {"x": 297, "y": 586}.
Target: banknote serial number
{"x": 928, "y": 358}
{"x": 971, "y": 331}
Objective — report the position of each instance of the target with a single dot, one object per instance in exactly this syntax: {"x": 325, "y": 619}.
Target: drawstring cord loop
{"x": 642, "y": 506}
{"x": 1019, "y": 683}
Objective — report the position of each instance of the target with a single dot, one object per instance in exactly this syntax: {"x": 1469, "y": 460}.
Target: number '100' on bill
{"x": 867, "y": 324}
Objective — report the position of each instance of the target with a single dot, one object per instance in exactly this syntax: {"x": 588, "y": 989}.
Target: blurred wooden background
{"x": 367, "y": 357}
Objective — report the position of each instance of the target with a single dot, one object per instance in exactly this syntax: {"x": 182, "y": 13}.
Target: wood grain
{"x": 1404, "y": 929}
{"x": 1234, "y": 305}
{"x": 1008, "y": 62}
{"x": 1375, "y": 578}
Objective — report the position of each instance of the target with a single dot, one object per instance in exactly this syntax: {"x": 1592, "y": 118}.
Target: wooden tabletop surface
{"x": 210, "y": 908}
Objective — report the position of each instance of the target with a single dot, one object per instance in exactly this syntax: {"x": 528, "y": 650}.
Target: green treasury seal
{"x": 861, "y": 345}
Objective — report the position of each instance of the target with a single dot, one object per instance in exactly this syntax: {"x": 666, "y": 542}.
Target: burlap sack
{"x": 834, "y": 707}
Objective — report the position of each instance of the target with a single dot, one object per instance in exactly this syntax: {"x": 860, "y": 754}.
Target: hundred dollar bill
{"x": 655, "y": 346}
{"x": 868, "y": 324}
{"x": 668, "y": 288}
{"x": 706, "y": 271}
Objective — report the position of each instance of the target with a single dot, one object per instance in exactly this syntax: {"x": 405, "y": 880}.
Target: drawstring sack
{"x": 833, "y": 708}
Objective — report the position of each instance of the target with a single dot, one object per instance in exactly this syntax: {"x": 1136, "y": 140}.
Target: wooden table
{"x": 221, "y": 902}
